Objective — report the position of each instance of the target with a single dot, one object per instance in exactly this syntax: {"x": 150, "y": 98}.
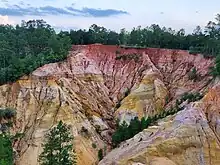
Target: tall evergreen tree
{"x": 58, "y": 148}
{"x": 6, "y": 151}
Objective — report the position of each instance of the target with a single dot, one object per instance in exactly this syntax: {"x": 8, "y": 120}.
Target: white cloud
{"x": 5, "y": 20}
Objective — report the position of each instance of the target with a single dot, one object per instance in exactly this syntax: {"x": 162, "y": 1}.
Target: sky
{"x": 112, "y": 14}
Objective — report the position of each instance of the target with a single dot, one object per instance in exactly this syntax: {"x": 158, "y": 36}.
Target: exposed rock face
{"x": 183, "y": 139}
{"x": 84, "y": 90}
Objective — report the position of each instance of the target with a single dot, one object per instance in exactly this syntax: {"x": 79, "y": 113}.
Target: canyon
{"x": 87, "y": 92}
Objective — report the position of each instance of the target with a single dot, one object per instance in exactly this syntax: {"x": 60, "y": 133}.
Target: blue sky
{"x": 113, "y": 14}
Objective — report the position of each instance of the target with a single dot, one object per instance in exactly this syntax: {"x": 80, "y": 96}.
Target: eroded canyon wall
{"x": 84, "y": 91}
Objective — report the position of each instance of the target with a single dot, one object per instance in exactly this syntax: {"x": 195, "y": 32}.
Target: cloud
{"x": 5, "y": 20}
{"x": 47, "y": 10}
{"x": 11, "y": 12}
{"x": 103, "y": 13}
{"x": 97, "y": 12}
{"x": 16, "y": 10}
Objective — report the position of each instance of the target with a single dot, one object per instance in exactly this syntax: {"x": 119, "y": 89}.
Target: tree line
{"x": 206, "y": 41}
{"x": 25, "y": 47}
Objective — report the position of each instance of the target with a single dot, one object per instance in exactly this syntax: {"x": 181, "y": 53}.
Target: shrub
{"x": 10, "y": 113}
{"x": 191, "y": 97}
{"x": 7, "y": 113}
{"x": 94, "y": 145}
{"x": 193, "y": 75}
{"x": 127, "y": 92}
{"x": 100, "y": 154}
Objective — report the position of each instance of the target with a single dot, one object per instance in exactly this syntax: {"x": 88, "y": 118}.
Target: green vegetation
{"x": 94, "y": 145}
{"x": 191, "y": 97}
{"x": 193, "y": 75}
{"x": 125, "y": 131}
{"x": 6, "y": 116}
{"x": 100, "y": 154}
{"x": 6, "y": 150}
{"x": 7, "y": 113}
{"x": 58, "y": 147}
{"x": 29, "y": 46}
{"x": 6, "y": 139}
{"x": 215, "y": 71}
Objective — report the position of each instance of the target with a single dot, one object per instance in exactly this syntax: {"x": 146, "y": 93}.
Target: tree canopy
{"x": 28, "y": 46}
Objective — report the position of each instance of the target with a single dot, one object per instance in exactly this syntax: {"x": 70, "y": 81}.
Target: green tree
{"x": 6, "y": 139}
{"x": 122, "y": 133}
{"x": 215, "y": 71}
{"x": 100, "y": 154}
{"x": 58, "y": 148}
{"x": 135, "y": 126}
{"x": 6, "y": 151}
{"x": 28, "y": 46}
{"x": 145, "y": 122}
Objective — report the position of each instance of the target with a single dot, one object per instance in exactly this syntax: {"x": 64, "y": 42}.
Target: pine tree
{"x": 58, "y": 148}
{"x": 144, "y": 123}
{"x": 135, "y": 126}
{"x": 6, "y": 151}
